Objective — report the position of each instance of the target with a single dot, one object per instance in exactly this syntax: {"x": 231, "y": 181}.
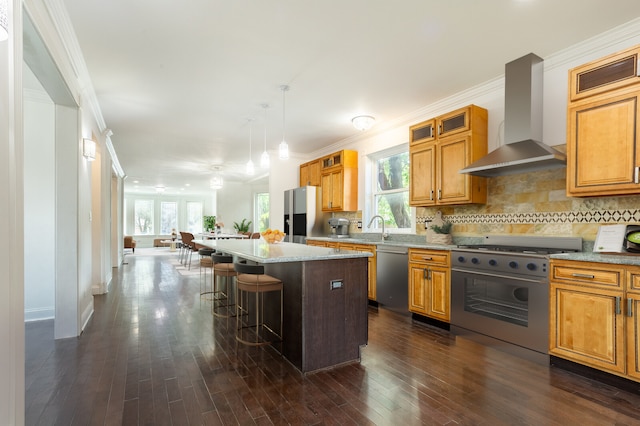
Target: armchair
{"x": 129, "y": 242}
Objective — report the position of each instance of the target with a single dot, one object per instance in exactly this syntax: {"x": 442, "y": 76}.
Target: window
{"x": 168, "y": 217}
{"x": 194, "y": 217}
{"x": 390, "y": 188}
{"x": 143, "y": 217}
{"x": 261, "y": 218}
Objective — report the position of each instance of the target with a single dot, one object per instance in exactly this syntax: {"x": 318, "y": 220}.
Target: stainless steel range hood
{"x": 523, "y": 150}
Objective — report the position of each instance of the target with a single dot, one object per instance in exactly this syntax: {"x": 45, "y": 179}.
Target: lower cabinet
{"x": 594, "y": 315}
{"x": 430, "y": 283}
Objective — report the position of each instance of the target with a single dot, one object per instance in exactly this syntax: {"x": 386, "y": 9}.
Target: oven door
{"x": 509, "y": 308}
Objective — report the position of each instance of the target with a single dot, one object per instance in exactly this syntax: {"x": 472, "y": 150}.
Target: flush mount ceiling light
{"x": 88, "y": 148}
{"x": 283, "y": 148}
{"x": 4, "y": 21}
{"x": 216, "y": 181}
{"x": 250, "y": 168}
{"x": 264, "y": 158}
{"x": 363, "y": 122}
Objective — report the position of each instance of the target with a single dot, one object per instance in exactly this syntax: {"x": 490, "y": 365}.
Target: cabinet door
{"x": 602, "y": 150}
{"x": 418, "y": 288}
{"x": 422, "y": 132}
{"x": 304, "y": 174}
{"x": 314, "y": 173}
{"x": 633, "y": 335}
{"x": 454, "y": 122}
{"x": 422, "y": 172}
{"x": 332, "y": 190}
{"x": 439, "y": 293}
{"x": 453, "y": 155}
{"x": 587, "y": 326}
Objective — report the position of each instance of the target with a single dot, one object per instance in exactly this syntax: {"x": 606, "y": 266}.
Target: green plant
{"x": 242, "y": 226}
{"x": 444, "y": 229}
{"x": 209, "y": 222}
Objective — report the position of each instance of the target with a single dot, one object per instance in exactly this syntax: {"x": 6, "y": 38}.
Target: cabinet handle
{"x": 429, "y": 274}
{"x": 432, "y": 195}
{"x": 629, "y": 307}
{"x": 427, "y": 258}
{"x": 424, "y": 273}
{"x": 431, "y": 132}
{"x": 618, "y": 305}
{"x": 439, "y": 194}
{"x": 583, "y": 276}
{"x": 440, "y": 129}
{"x": 635, "y": 178}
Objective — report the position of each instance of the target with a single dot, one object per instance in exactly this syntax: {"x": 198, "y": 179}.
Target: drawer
{"x": 633, "y": 280}
{"x": 429, "y": 256}
{"x": 589, "y": 274}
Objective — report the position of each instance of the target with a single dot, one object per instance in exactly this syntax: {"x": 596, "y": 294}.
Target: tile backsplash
{"x": 530, "y": 204}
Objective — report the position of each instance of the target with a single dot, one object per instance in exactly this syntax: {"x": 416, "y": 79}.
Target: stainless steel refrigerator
{"x": 303, "y": 216}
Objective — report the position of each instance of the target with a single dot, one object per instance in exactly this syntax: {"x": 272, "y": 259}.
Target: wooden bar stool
{"x": 206, "y": 263}
{"x": 252, "y": 280}
{"x": 223, "y": 302}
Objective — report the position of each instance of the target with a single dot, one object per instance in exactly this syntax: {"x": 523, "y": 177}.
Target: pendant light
{"x": 216, "y": 180}
{"x": 264, "y": 158}
{"x": 283, "y": 148}
{"x": 250, "y": 168}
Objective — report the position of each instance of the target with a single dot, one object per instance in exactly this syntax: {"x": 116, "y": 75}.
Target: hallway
{"x": 153, "y": 354}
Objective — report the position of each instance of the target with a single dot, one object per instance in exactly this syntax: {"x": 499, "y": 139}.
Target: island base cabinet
{"x": 325, "y": 320}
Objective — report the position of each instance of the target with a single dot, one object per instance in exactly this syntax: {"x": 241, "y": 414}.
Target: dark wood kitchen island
{"x": 325, "y": 298}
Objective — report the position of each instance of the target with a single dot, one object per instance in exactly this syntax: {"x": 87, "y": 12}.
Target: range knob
{"x": 493, "y": 262}
{"x": 513, "y": 264}
{"x": 532, "y": 266}
{"x": 461, "y": 259}
{"x": 475, "y": 260}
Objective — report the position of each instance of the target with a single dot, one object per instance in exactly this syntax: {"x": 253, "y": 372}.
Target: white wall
{"x": 235, "y": 202}
{"x": 39, "y": 205}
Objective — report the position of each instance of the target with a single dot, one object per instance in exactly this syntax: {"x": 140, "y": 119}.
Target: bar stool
{"x": 223, "y": 268}
{"x": 206, "y": 263}
{"x": 251, "y": 279}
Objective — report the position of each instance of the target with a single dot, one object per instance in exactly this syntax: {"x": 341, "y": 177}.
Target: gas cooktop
{"x": 527, "y": 245}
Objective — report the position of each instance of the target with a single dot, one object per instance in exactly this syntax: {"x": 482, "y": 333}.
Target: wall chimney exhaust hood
{"x": 523, "y": 150}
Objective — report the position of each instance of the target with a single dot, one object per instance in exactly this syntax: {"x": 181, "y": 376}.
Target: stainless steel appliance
{"x": 339, "y": 227}
{"x": 392, "y": 276}
{"x": 500, "y": 291}
{"x": 303, "y": 215}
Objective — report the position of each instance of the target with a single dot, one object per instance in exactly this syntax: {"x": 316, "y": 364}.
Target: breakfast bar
{"x": 325, "y": 298}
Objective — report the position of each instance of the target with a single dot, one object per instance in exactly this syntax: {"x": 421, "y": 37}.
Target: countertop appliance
{"x": 339, "y": 227}
{"x": 303, "y": 215}
{"x": 392, "y": 277}
{"x": 500, "y": 291}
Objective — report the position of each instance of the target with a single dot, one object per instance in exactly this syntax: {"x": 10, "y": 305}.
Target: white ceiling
{"x": 177, "y": 82}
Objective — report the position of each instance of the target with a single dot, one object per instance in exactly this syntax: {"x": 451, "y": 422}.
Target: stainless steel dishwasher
{"x": 392, "y": 286}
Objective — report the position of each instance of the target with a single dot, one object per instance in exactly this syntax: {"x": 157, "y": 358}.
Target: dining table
{"x": 222, "y": 236}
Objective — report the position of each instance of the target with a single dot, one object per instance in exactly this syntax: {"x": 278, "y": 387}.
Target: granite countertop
{"x": 589, "y": 256}
{"x": 409, "y": 241}
{"x": 263, "y": 252}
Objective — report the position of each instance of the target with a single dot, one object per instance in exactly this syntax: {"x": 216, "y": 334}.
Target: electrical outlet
{"x": 336, "y": 284}
{"x": 426, "y": 224}
{"x": 359, "y": 224}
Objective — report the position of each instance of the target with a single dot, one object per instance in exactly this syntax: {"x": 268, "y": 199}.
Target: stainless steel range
{"x": 500, "y": 291}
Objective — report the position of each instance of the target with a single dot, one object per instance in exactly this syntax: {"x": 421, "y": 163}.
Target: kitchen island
{"x": 325, "y": 298}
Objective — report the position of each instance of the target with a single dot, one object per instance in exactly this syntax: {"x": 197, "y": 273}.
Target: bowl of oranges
{"x": 272, "y": 236}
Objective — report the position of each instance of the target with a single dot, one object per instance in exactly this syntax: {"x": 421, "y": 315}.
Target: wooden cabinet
{"x": 339, "y": 181}
{"x": 371, "y": 248}
{"x": 603, "y": 150}
{"x": 430, "y": 283}
{"x": 594, "y": 315}
{"x": 438, "y": 149}
{"x": 310, "y": 173}
{"x": 316, "y": 243}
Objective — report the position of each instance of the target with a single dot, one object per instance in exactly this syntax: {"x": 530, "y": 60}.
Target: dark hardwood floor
{"x": 154, "y": 355}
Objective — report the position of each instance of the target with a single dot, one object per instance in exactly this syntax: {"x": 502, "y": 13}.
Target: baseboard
{"x": 595, "y": 374}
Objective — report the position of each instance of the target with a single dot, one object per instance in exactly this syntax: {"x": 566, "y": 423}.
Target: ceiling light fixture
{"x": 250, "y": 168}
{"x": 4, "y": 21}
{"x": 264, "y": 158}
{"x": 363, "y": 122}
{"x": 88, "y": 148}
{"x": 160, "y": 189}
{"x": 283, "y": 148}
{"x": 216, "y": 181}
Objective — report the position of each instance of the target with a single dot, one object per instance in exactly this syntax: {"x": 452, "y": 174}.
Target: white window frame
{"x": 256, "y": 218}
{"x": 371, "y": 192}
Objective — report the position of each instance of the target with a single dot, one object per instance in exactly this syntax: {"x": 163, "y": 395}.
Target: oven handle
{"x": 509, "y": 277}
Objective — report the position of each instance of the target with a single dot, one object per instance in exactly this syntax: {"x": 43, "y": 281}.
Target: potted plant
{"x": 209, "y": 223}
{"x": 439, "y": 231}
{"x": 242, "y": 227}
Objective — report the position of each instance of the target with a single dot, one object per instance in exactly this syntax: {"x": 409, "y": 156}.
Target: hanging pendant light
{"x": 250, "y": 168}
{"x": 4, "y": 20}
{"x": 283, "y": 148}
{"x": 216, "y": 180}
{"x": 264, "y": 158}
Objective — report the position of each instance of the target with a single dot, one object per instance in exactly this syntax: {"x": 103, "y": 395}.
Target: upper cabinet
{"x": 339, "y": 181}
{"x": 310, "y": 173}
{"x": 603, "y": 150}
{"x": 438, "y": 149}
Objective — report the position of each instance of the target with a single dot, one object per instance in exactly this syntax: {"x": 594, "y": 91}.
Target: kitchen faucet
{"x": 384, "y": 234}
